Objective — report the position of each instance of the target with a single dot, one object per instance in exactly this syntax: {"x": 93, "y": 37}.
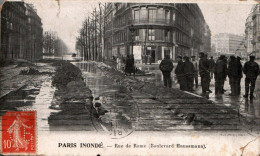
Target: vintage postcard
{"x": 168, "y": 77}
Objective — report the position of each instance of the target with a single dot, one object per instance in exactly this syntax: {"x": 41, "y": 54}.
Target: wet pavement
{"x": 129, "y": 111}
{"x": 248, "y": 108}
{"x": 122, "y": 115}
{"x": 170, "y": 113}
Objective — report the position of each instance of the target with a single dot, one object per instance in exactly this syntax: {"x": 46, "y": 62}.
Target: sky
{"x": 66, "y": 19}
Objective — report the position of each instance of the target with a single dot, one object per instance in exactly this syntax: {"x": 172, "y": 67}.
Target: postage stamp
{"x": 18, "y": 133}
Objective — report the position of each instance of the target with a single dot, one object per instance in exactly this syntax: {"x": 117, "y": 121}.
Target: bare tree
{"x": 90, "y": 43}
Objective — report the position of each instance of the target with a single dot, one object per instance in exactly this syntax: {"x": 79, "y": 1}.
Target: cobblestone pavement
{"x": 27, "y": 92}
{"x": 10, "y": 80}
{"x": 168, "y": 113}
{"x": 247, "y": 108}
{"x": 130, "y": 110}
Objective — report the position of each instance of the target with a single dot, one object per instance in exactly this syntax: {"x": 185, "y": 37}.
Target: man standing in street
{"x": 226, "y": 62}
{"x": 240, "y": 74}
{"x": 233, "y": 75}
{"x": 206, "y": 56}
{"x": 196, "y": 67}
{"x": 166, "y": 66}
{"x": 211, "y": 64}
{"x": 189, "y": 71}
{"x": 251, "y": 70}
{"x": 204, "y": 73}
{"x": 179, "y": 73}
{"x": 133, "y": 64}
{"x": 128, "y": 65}
{"x": 220, "y": 75}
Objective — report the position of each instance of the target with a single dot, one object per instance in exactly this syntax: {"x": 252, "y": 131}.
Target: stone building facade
{"x": 159, "y": 29}
{"x": 21, "y": 32}
{"x": 249, "y": 35}
{"x": 207, "y": 40}
{"x": 253, "y": 28}
{"x": 228, "y": 44}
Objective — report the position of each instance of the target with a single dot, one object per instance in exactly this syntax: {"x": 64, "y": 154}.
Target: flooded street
{"x": 122, "y": 115}
{"x": 122, "y": 111}
{"x": 248, "y": 108}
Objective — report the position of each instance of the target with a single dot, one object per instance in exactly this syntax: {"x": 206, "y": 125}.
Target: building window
{"x": 174, "y": 37}
{"x": 152, "y": 15}
{"x": 151, "y": 34}
{"x": 173, "y": 18}
{"x": 142, "y": 34}
{"x": 137, "y": 35}
{"x": 159, "y": 33}
{"x": 143, "y": 15}
{"x": 161, "y": 15}
{"x": 11, "y": 26}
{"x": 166, "y": 35}
{"x": 136, "y": 16}
{"x": 167, "y": 16}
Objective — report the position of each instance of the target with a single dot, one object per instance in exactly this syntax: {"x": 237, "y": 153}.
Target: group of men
{"x": 185, "y": 72}
{"x": 188, "y": 71}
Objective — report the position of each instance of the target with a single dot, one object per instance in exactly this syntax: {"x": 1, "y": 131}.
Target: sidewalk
{"x": 10, "y": 80}
{"x": 170, "y": 109}
{"x": 248, "y": 109}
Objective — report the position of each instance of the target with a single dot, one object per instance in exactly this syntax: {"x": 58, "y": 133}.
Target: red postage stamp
{"x": 18, "y": 132}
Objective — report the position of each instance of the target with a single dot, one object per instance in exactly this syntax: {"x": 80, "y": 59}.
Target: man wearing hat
{"x": 189, "y": 71}
{"x": 233, "y": 75}
{"x": 166, "y": 66}
{"x": 251, "y": 70}
{"x": 211, "y": 64}
{"x": 220, "y": 70}
{"x": 204, "y": 72}
{"x": 195, "y": 64}
{"x": 240, "y": 74}
{"x": 180, "y": 73}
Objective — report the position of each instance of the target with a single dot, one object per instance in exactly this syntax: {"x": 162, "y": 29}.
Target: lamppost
{"x": 132, "y": 30}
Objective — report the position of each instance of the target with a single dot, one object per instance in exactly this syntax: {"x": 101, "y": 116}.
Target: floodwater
{"x": 121, "y": 117}
{"x": 119, "y": 120}
{"x": 123, "y": 111}
{"x": 31, "y": 98}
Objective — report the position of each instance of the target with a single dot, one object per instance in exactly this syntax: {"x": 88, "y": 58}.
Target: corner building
{"x": 159, "y": 29}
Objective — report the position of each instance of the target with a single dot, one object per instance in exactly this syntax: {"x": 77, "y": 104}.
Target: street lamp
{"x": 132, "y": 30}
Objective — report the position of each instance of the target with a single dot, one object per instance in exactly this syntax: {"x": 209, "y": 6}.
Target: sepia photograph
{"x": 178, "y": 77}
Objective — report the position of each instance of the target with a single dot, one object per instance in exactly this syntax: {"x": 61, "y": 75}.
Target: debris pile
{"x": 72, "y": 97}
{"x": 58, "y": 63}
{"x": 33, "y": 71}
{"x": 158, "y": 92}
{"x": 29, "y": 71}
{"x": 140, "y": 72}
{"x": 25, "y": 64}
{"x": 66, "y": 73}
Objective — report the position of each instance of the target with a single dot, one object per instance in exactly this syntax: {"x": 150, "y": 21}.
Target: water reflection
{"x": 122, "y": 110}
{"x": 155, "y": 76}
{"x": 235, "y": 102}
{"x": 88, "y": 67}
{"x": 76, "y": 119}
{"x": 23, "y": 97}
{"x": 250, "y": 107}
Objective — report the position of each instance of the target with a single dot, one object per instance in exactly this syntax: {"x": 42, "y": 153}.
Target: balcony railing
{"x": 155, "y": 21}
